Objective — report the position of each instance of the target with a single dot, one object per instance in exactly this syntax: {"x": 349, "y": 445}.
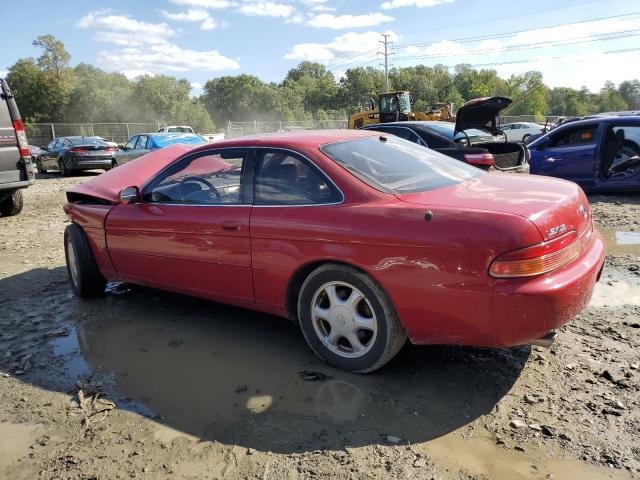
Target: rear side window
{"x": 142, "y": 142}
{"x": 394, "y": 165}
{"x": 582, "y": 135}
{"x": 284, "y": 178}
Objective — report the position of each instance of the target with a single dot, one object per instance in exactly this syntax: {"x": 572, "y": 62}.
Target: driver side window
{"x": 207, "y": 178}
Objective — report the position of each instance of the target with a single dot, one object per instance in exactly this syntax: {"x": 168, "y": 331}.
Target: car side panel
{"x": 438, "y": 300}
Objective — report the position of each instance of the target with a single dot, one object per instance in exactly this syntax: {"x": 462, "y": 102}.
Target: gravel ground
{"x": 154, "y": 385}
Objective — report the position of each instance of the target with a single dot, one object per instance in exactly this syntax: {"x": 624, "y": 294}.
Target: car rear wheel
{"x": 84, "y": 275}
{"x": 11, "y": 204}
{"x": 348, "y": 320}
{"x": 524, "y": 138}
{"x": 114, "y": 164}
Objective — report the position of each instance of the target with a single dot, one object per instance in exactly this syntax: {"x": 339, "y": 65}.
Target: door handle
{"x": 230, "y": 225}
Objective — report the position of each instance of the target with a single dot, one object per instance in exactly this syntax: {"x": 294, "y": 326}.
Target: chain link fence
{"x": 531, "y": 118}
{"x": 240, "y": 129}
{"x": 40, "y": 134}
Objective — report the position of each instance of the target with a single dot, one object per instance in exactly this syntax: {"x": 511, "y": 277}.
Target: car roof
{"x": 303, "y": 138}
{"x": 601, "y": 119}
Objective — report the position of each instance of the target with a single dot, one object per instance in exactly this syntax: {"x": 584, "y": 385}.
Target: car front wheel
{"x": 348, "y": 320}
{"x": 84, "y": 275}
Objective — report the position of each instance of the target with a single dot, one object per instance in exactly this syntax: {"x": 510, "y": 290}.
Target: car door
{"x": 141, "y": 147}
{"x": 622, "y": 170}
{"x": 570, "y": 153}
{"x": 294, "y": 201}
{"x": 190, "y": 231}
{"x": 47, "y": 155}
{"x": 124, "y": 155}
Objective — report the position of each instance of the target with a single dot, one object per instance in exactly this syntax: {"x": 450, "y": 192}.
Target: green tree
{"x": 315, "y": 85}
{"x": 630, "y": 91}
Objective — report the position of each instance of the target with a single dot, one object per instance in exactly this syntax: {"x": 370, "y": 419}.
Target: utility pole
{"x": 386, "y": 44}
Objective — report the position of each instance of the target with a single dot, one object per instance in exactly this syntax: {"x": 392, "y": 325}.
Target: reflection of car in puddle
{"x": 339, "y": 400}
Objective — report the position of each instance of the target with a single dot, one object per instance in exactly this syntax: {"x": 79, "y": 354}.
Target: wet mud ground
{"x": 147, "y": 384}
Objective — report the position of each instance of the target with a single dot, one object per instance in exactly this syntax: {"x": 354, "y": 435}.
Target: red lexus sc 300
{"x": 363, "y": 238}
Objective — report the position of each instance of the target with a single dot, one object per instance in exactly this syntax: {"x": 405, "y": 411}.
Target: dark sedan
{"x": 474, "y": 137}
{"x": 72, "y": 154}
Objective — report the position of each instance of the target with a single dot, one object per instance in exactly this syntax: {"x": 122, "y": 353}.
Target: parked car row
{"x": 76, "y": 153}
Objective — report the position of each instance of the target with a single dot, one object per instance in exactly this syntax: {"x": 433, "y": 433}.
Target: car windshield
{"x": 87, "y": 141}
{"x": 446, "y": 129}
{"x": 186, "y": 139}
{"x": 394, "y": 165}
{"x": 179, "y": 130}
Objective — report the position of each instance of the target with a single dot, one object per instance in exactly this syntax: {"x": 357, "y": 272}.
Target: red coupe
{"x": 364, "y": 238}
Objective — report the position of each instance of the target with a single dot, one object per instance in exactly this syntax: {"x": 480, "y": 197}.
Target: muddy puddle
{"x": 231, "y": 375}
{"x": 619, "y": 286}
{"x": 207, "y": 371}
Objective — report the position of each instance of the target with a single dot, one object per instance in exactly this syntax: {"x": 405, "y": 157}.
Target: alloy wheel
{"x": 343, "y": 319}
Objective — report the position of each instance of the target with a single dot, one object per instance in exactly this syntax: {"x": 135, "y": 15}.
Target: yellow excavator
{"x": 396, "y": 107}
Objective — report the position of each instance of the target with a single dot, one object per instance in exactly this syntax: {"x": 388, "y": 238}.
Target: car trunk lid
{"x": 481, "y": 113}
{"x": 553, "y": 206}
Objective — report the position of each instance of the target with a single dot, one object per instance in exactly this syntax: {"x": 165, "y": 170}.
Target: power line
{"x": 507, "y": 34}
{"x": 493, "y": 19}
{"x": 529, "y": 46}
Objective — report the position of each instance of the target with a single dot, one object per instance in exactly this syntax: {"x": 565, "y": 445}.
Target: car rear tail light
{"x": 77, "y": 149}
{"x": 483, "y": 159}
{"x": 21, "y": 135}
{"x": 538, "y": 259}
{"x": 110, "y": 149}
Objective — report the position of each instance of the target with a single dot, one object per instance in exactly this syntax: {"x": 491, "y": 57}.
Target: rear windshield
{"x": 87, "y": 141}
{"x": 394, "y": 165}
{"x": 180, "y": 130}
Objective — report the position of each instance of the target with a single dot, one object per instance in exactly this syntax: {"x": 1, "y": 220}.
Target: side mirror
{"x": 129, "y": 195}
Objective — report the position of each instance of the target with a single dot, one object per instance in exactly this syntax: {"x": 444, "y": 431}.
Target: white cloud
{"x": 146, "y": 47}
{"x": 343, "y": 46}
{"x": 203, "y": 17}
{"x": 317, "y": 5}
{"x": 123, "y": 30}
{"x": 340, "y": 22}
{"x": 213, "y": 4}
{"x": 413, "y": 3}
{"x": 266, "y": 9}
{"x": 165, "y": 58}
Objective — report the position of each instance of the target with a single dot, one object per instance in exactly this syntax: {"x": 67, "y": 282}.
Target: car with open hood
{"x": 363, "y": 238}
{"x": 474, "y": 138}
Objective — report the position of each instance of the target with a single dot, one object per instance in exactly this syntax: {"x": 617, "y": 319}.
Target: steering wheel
{"x": 209, "y": 187}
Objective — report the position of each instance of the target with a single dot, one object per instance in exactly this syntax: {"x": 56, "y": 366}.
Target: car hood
{"x": 132, "y": 174}
{"x": 481, "y": 113}
{"x": 547, "y": 203}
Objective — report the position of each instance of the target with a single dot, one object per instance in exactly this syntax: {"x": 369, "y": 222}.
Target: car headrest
{"x": 619, "y": 135}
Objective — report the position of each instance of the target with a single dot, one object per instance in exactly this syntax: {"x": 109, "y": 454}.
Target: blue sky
{"x": 587, "y": 43}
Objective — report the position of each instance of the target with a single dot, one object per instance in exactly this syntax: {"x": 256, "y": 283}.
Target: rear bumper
{"x": 526, "y": 310}
{"x": 80, "y": 163}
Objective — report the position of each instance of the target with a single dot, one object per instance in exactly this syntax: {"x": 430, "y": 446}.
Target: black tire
{"x": 40, "y": 167}
{"x": 63, "y": 169}
{"x": 11, "y": 204}
{"x": 390, "y": 335}
{"x": 114, "y": 163}
{"x": 524, "y": 138}
{"x": 87, "y": 281}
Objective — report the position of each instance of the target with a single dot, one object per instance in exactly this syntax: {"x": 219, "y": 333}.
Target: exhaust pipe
{"x": 545, "y": 341}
